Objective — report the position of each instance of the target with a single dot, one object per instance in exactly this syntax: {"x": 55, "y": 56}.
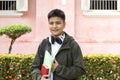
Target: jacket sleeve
{"x": 38, "y": 60}
{"x": 77, "y": 69}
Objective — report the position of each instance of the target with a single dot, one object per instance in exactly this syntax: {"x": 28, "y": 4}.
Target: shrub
{"x": 101, "y": 67}
{"x": 14, "y": 31}
{"x": 17, "y": 67}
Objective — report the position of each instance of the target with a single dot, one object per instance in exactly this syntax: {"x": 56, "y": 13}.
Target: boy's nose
{"x": 54, "y": 25}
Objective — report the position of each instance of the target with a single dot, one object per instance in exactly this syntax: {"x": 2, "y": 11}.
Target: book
{"x": 44, "y": 70}
{"x": 47, "y": 64}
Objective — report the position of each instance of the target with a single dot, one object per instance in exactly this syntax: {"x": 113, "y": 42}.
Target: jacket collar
{"x": 66, "y": 43}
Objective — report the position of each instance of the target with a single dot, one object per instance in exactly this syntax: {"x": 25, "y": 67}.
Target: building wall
{"x": 97, "y": 34}
{"x": 94, "y": 34}
{"x": 22, "y": 44}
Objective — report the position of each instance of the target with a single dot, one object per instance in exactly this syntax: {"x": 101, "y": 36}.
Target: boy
{"x": 64, "y": 50}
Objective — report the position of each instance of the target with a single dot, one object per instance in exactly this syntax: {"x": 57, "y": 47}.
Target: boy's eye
{"x": 51, "y": 23}
{"x": 58, "y": 22}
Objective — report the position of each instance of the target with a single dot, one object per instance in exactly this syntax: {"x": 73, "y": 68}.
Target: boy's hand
{"x": 54, "y": 65}
{"x": 45, "y": 77}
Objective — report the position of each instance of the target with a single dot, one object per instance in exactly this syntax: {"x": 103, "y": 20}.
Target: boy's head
{"x": 56, "y": 13}
{"x": 56, "y": 20}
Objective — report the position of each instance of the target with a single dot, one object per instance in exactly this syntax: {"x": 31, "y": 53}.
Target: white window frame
{"x": 85, "y": 7}
{"x": 21, "y": 7}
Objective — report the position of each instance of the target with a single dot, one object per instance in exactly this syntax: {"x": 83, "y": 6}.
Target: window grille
{"x": 7, "y": 5}
{"x": 103, "y": 4}
{"x": 101, "y": 7}
{"x": 13, "y": 7}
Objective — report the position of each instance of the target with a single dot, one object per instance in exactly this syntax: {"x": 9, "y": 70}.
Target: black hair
{"x": 56, "y": 13}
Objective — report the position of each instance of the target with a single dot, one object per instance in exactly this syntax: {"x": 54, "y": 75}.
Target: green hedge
{"x": 102, "y": 67}
{"x": 17, "y": 67}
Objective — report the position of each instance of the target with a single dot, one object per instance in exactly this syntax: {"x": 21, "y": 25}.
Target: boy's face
{"x": 56, "y": 26}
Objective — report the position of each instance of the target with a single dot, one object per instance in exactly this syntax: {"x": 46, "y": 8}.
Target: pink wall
{"x": 94, "y": 34}
{"x": 22, "y": 44}
{"x": 97, "y": 34}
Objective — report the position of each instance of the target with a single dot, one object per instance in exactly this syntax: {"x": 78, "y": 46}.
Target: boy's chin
{"x": 55, "y": 35}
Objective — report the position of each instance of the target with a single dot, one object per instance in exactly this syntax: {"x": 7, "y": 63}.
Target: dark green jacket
{"x": 69, "y": 57}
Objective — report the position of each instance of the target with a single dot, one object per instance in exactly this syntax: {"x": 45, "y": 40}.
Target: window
{"x": 13, "y": 7}
{"x": 103, "y": 4}
{"x": 101, "y": 7}
{"x": 7, "y": 5}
